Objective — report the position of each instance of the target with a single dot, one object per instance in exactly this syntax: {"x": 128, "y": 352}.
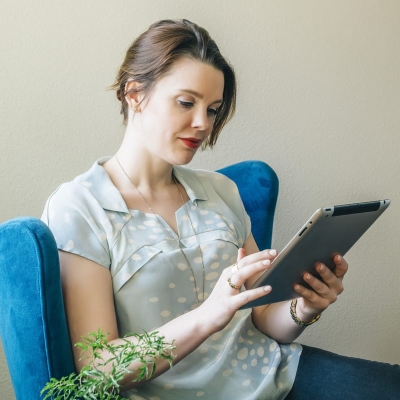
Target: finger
{"x": 249, "y": 295}
{"x": 320, "y": 294}
{"x": 317, "y": 285}
{"x": 251, "y": 266}
{"x": 243, "y": 273}
{"x": 318, "y": 302}
{"x": 341, "y": 266}
{"x": 241, "y": 254}
{"x": 329, "y": 278}
{"x": 259, "y": 256}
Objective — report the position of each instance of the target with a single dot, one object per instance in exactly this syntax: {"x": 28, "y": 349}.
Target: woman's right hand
{"x": 224, "y": 300}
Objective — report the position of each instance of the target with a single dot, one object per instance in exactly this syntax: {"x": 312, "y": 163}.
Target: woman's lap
{"x": 327, "y": 376}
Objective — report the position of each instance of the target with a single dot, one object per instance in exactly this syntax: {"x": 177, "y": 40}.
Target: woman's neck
{"x": 134, "y": 164}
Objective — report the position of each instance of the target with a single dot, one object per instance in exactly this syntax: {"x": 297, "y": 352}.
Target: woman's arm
{"x": 89, "y": 305}
{"x": 275, "y": 320}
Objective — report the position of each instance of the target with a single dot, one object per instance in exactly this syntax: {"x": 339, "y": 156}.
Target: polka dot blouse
{"x": 154, "y": 284}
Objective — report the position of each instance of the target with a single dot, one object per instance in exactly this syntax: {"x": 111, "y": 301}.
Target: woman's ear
{"x": 132, "y": 96}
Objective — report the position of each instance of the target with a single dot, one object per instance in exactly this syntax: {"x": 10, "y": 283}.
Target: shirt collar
{"x": 98, "y": 183}
{"x": 189, "y": 180}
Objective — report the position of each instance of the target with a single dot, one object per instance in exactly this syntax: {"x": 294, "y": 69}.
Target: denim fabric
{"x": 322, "y": 375}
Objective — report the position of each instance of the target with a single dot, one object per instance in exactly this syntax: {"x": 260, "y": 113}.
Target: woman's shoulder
{"x": 93, "y": 187}
{"x": 71, "y": 193}
{"x": 71, "y": 202}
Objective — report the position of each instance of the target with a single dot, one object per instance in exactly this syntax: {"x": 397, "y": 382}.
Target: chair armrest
{"x": 33, "y": 325}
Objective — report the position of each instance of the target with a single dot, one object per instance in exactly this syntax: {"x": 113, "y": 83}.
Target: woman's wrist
{"x": 305, "y": 314}
{"x": 205, "y": 326}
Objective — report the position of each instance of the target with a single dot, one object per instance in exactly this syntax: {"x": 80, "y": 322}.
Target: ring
{"x": 237, "y": 287}
{"x": 235, "y": 267}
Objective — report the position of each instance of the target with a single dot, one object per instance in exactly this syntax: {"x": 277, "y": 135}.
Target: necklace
{"x": 196, "y": 288}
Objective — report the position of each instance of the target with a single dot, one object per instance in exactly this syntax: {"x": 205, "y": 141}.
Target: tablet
{"x": 329, "y": 231}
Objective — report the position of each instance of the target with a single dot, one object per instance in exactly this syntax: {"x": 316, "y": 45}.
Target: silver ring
{"x": 235, "y": 267}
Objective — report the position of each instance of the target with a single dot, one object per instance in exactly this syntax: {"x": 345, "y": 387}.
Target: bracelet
{"x": 295, "y": 317}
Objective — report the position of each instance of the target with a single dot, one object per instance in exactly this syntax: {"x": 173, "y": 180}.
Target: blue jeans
{"x": 322, "y": 375}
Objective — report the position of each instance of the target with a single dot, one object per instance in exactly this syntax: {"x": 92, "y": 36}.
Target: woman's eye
{"x": 185, "y": 104}
{"x": 212, "y": 112}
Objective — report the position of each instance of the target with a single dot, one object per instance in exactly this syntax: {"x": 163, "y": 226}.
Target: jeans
{"x": 322, "y": 375}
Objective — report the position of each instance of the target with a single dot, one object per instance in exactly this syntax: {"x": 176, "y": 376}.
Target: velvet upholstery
{"x": 33, "y": 326}
{"x": 258, "y": 186}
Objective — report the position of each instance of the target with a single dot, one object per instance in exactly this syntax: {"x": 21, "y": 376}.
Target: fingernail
{"x": 321, "y": 267}
{"x": 308, "y": 277}
{"x": 267, "y": 288}
{"x": 272, "y": 253}
{"x": 339, "y": 258}
{"x": 297, "y": 287}
{"x": 266, "y": 262}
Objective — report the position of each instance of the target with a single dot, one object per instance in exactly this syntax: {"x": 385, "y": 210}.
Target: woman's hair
{"x": 155, "y": 51}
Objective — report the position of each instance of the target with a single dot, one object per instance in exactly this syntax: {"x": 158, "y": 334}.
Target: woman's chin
{"x": 183, "y": 158}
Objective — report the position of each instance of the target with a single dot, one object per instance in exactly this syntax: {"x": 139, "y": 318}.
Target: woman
{"x": 148, "y": 244}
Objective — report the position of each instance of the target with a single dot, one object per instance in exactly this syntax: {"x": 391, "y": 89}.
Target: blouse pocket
{"x": 133, "y": 264}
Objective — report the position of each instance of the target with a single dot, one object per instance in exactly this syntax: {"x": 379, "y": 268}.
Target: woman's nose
{"x": 201, "y": 120}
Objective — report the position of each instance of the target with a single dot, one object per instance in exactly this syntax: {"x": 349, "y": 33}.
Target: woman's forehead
{"x": 196, "y": 78}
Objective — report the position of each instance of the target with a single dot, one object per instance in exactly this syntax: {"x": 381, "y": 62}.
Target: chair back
{"x": 258, "y": 186}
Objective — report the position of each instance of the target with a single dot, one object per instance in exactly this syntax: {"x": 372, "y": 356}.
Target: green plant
{"x": 93, "y": 383}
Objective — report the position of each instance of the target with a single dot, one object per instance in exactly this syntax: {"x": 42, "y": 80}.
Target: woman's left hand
{"x": 326, "y": 291}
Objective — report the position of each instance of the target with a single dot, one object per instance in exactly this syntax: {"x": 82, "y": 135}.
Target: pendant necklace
{"x": 196, "y": 288}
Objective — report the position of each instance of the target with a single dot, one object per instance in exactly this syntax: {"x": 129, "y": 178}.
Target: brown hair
{"x": 154, "y": 52}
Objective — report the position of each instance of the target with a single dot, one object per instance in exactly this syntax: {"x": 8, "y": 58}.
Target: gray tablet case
{"x": 330, "y": 231}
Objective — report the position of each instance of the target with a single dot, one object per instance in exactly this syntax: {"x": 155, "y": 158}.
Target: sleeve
{"x": 78, "y": 223}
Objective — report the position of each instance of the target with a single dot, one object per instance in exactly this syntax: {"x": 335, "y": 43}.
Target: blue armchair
{"x": 33, "y": 325}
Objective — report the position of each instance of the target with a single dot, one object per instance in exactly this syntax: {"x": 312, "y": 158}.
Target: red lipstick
{"x": 192, "y": 143}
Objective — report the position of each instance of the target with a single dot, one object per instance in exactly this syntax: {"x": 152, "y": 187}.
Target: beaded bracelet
{"x": 295, "y": 317}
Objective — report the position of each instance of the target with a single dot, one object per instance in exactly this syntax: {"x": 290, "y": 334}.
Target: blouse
{"x": 153, "y": 283}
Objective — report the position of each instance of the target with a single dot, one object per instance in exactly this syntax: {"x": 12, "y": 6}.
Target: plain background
{"x": 319, "y": 100}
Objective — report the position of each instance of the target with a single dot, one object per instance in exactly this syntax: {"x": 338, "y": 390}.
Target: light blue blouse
{"x": 153, "y": 284}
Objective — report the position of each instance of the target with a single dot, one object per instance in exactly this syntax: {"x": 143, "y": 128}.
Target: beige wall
{"x": 319, "y": 99}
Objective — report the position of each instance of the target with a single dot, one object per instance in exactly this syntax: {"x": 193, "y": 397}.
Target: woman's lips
{"x": 193, "y": 143}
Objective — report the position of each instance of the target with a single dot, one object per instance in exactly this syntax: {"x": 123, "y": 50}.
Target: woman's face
{"x": 179, "y": 113}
